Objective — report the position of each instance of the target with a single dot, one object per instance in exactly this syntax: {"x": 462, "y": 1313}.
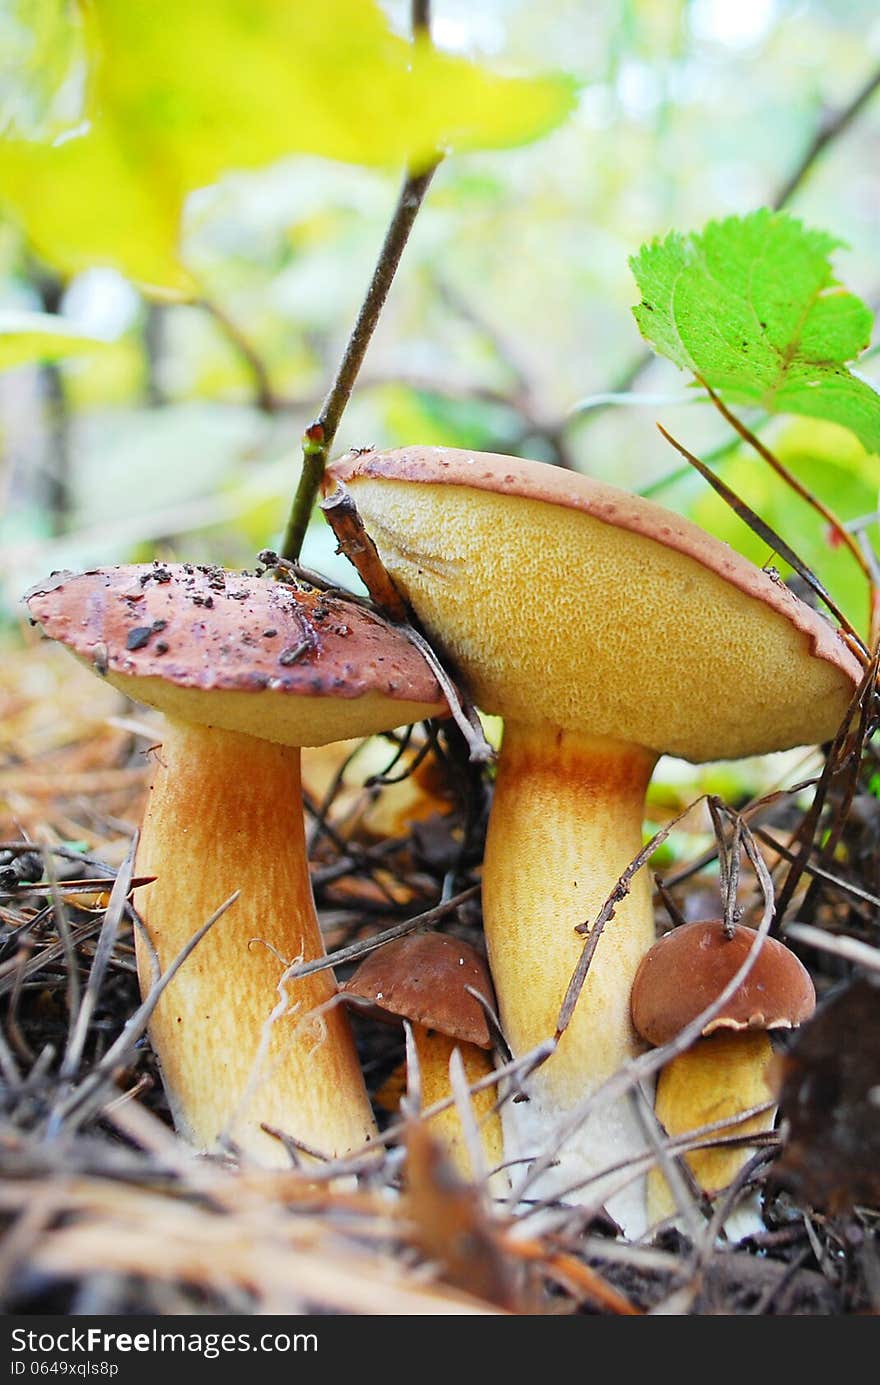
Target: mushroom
{"x": 727, "y": 1071}
{"x": 430, "y": 980}
{"x": 246, "y": 670}
{"x": 605, "y": 631}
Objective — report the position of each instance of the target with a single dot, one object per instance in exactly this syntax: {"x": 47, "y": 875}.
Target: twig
{"x": 320, "y": 434}
{"x": 789, "y": 478}
{"x": 400, "y": 930}
{"x": 355, "y": 544}
{"x": 773, "y": 541}
{"x": 830, "y": 129}
{"x": 461, "y": 708}
{"x": 106, "y": 941}
{"x": 595, "y": 930}
{"x": 264, "y": 395}
{"x": 849, "y": 949}
{"x": 841, "y": 748}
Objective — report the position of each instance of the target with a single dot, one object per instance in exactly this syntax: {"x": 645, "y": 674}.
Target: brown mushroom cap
{"x": 690, "y": 966}
{"x": 422, "y": 978}
{"x": 239, "y": 652}
{"x": 563, "y": 599}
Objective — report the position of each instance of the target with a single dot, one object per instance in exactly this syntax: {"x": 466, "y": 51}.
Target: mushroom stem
{"x": 566, "y": 823}
{"x": 718, "y": 1078}
{"x": 229, "y": 1061}
{"x": 434, "y": 1051}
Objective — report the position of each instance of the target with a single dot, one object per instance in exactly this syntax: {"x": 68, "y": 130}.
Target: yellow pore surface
{"x": 555, "y": 615}
{"x": 283, "y": 717}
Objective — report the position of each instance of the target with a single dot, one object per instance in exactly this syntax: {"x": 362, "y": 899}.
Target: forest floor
{"x": 105, "y": 1210}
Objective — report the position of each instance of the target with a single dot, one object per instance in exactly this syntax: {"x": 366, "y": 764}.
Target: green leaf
{"x": 751, "y": 306}
{"x": 27, "y": 337}
{"x": 179, "y": 95}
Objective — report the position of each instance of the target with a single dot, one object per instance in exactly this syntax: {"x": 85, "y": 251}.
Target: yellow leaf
{"x": 225, "y": 84}
{"x": 83, "y": 201}
{"x": 26, "y": 337}
{"x": 181, "y": 93}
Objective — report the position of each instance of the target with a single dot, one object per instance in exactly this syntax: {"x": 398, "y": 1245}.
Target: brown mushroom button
{"x": 423, "y": 978}
{"x": 688, "y": 968}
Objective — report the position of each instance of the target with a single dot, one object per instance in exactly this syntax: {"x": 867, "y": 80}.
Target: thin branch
{"x": 106, "y": 941}
{"x": 355, "y": 544}
{"x": 355, "y": 951}
{"x": 321, "y": 432}
{"x": 830, "y": 129}
{"x": 319, "y": 436}
{"x": 264, "y": 396}
{"x": 789, "y": 478}
{"x": 773, "y": 541}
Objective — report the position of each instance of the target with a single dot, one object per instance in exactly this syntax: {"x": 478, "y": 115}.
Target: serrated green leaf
{"x": 751, "y": 306}
{"x": 27, "y": 337}
{"x": 180, "y": 94}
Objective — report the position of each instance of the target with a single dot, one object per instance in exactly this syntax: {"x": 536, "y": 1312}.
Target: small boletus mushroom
{"x": 433, "y": 980}
{"x": 246, "y": 670}
{"x": 726, "y": 1071}
{"x": 605, "y": 631}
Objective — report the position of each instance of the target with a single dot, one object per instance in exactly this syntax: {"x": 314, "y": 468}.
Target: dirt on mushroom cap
{"x": 294, "y": 666}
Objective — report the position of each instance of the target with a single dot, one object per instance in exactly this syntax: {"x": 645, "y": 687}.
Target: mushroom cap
{"x": 239, "y": 652}
{"x": 690, "y": 966}
{"x": 422, "y": 978}
{"x": 565, "y": 600}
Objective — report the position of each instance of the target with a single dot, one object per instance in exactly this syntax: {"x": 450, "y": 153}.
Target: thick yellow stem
{"x": 565, "y": 824}
{"x": 238, "y": 1048}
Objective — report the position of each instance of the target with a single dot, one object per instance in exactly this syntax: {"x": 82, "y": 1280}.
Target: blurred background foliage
{"x": 144, "y": 424}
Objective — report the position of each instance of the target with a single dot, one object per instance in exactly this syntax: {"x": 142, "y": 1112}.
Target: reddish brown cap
{"x": 422, "y": 978}
{"x": 564, "y": 600}
{"x": 241, "y": 652}
{"x": 689, "y": 967}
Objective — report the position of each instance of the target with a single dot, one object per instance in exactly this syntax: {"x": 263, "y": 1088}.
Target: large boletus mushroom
{"x": 605, "y": 631}
{"x": 247, "y": 670}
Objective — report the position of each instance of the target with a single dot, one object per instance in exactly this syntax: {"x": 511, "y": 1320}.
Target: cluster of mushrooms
{"x": 605, "y": 631}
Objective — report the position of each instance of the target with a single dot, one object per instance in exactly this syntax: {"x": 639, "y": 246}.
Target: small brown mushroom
{"x": 246, "y": 671}
{"x": 727, "y": 1071}
{"x": 428, "y": 979}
